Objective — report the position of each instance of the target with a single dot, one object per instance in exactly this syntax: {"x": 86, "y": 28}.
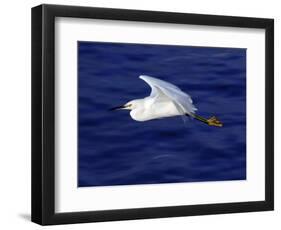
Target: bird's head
{"x": 128, "y": 106}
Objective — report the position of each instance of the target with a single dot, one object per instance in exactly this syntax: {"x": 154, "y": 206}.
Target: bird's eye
{"x": 129, "y": 105}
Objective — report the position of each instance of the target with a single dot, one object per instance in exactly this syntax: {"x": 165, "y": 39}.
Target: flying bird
{"x": 165, "y": 100}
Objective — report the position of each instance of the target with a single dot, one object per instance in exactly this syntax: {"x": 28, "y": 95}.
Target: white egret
{"x": 165, "y": 100}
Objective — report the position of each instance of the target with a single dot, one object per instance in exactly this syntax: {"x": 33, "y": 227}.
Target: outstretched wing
{"x": 182, "y": 100}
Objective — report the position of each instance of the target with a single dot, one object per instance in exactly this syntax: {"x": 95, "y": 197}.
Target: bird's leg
{"x": 212, "y": 121}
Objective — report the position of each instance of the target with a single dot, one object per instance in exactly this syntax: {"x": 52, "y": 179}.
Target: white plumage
{"x": 165, "y": 100}
{"x": 165, "y": 91}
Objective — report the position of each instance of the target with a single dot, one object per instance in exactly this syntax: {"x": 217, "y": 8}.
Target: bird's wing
{"x": 160, "y": 88}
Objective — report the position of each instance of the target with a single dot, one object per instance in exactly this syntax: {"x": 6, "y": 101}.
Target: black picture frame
{"x": 43, "y": 110}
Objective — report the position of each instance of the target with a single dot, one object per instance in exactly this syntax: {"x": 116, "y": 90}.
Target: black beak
{"x": 118, "y": 107}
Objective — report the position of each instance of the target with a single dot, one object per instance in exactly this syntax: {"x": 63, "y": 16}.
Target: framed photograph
{"x": 142, "y": 114}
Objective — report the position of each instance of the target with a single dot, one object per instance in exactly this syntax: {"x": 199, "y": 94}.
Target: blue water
{"x": 113, "y": 149}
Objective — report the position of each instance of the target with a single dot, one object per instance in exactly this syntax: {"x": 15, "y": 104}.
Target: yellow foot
{"x": 213, "y": 121}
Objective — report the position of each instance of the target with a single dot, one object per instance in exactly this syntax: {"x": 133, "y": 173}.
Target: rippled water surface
{"x": 116, "y": 150}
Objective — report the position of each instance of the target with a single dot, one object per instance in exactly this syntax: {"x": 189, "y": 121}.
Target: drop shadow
{"x": 25, "y": 216}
